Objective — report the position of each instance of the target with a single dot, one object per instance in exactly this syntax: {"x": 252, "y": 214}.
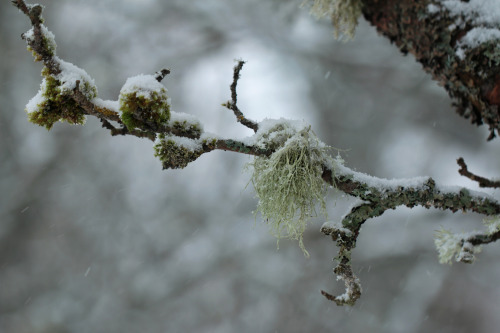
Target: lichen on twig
{"x": 288, "y": 183}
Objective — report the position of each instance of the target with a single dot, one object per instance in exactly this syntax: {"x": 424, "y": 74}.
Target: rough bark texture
{"x": 473, "y": 83}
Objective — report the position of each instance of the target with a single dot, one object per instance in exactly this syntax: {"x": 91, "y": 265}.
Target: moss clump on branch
{"x": 54, "y": 101}
{"x": 288, "y": 183}
{"x": 144, "y": 103}
{"x": 185, "y": 125}
{"x": 176, "y": 152}
{"x": 343, "y": 13}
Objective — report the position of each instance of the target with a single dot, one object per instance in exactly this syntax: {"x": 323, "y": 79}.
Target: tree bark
{"x": 472, "y": 82}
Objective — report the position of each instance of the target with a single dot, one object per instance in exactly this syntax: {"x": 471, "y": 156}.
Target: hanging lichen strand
{"x": 343, "y": 13}
{"x": 288, "y": 183}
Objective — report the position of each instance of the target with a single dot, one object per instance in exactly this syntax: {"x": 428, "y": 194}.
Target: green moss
{"x": 289, "y": 184}
{"x": 173, "y": 154}
{"x": 142, "y": 107}
{"x": 187, "y": 128}
{"x": 56, "y": 103}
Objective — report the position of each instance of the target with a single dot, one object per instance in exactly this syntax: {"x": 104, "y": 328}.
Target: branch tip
{"x": 232, "y": 105}
{"x": 482, "y": 181}
{"x": 160, "y": 75}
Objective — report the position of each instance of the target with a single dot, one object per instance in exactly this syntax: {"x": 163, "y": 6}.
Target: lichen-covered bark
{"x": 473, "y": 83}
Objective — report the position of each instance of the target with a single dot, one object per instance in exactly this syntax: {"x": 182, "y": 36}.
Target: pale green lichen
{"x": 343, "y": 13}
{"x": 288, "y": 183}
{"x": 447, "y": 244}
{"x": 455, "y": 246}
{"x": 144, "y": 103}
{"x": 492, "y": 224}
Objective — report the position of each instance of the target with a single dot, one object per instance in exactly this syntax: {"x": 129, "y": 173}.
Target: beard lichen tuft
{"x": 343, "y": 13}
{"x": 289, "y": 184}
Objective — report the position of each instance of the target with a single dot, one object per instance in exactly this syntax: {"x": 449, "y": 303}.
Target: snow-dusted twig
{"x": 232, "y": 105}
{"x": 483, "y": 182}
{"x": 379, "y": 195}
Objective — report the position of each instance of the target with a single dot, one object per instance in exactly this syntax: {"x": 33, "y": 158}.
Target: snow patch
{"x": 107, "y": 104}
{"x": 485, "y": 14}
{"x": 142, "y": 85}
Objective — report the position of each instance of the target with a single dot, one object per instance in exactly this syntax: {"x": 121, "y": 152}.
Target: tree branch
{"x": 232, "y": 105}
{"x": 428, "y": 30}
{"x": 483, "y": 182}
{"x": 175, "y": 138}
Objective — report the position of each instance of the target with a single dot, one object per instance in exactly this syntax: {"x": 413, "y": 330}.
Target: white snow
{"x": 484, "y": 14}
{"x": 142, "y": 84}
{"x": 30, "y": 35}
{"x": 182, "y": 117}
{"x": 38, "y": 99}
{"x": 336, "y": 226}
{"x": 382, "y": 184}
{"x": 479, "y": 11}
{"x": 267, "y": 131}
{"x": 70, "y": 74}
{"x": 110, "y": 105}
{"x": 475, "y": 37}
{"x": 432, "y": 8}
{"x": 190, "y": 144}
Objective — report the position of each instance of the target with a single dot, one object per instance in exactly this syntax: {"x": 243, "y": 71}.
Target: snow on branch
{"x": 456, "y": 41}
{"x": 292, "y": 170}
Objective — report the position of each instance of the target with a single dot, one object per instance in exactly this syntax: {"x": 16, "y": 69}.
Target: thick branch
{"x": 473, "y": 81}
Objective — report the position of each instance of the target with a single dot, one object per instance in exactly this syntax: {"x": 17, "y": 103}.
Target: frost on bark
{"x": 433, "y": 35}
{"x": 143, "y": 110}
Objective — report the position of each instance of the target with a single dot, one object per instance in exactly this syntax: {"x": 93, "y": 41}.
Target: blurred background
{"x": 95, "y": 237}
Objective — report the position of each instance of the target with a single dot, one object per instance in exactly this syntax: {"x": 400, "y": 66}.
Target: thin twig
{"x": 160, "y": 75}
{"x": 480, "y": 239}
{"x": 483, "y": 182}
{"x": 232, "y": 105}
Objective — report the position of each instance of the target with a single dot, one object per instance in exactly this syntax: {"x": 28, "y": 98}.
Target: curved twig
{"x": 483, "y": 182}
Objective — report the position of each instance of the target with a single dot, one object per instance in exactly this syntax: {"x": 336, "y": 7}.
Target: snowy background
{"x": 95, "y": 237}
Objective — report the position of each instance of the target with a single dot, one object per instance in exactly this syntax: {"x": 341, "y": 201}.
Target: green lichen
{"x": 54, "y": 102}
{"x": 288, "y": 183}
{"x": 447, "y": 244}
{"x": 455, "y": 246}
{"x": 174, "y": 152}
{"x": 143, "y": 107}
{"x": 343, "y": 13}
{"x": 492, "y": 223}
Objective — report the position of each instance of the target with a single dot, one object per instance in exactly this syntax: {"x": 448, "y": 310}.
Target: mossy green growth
{"x": 289, "y": 184}
{"x": 183, "y": 127}
{"x": 144, "y": 103}
{"x": 54, "y": 103}
{"x": 176, "y": 152}
{"x": 343, "y": 13}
